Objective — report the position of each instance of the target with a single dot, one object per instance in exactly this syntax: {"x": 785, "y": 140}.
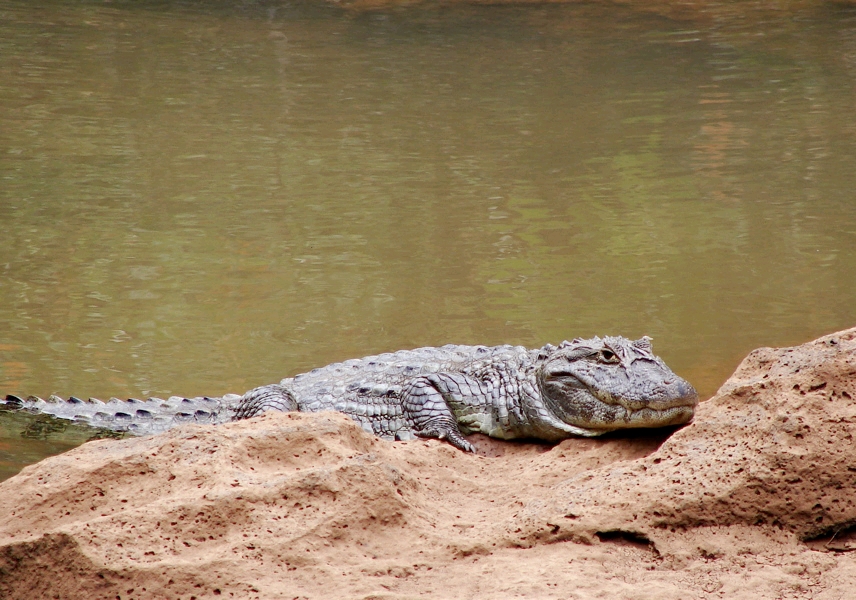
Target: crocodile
{"x": 585, "y": 387}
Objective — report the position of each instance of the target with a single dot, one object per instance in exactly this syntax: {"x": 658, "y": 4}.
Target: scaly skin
{"x": 583, "y": 388}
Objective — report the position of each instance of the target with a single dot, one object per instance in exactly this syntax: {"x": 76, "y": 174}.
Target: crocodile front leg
{"x": 435, "y": 402}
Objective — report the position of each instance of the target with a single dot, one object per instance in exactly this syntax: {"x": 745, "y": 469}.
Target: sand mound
{"x": 753, "y": 500}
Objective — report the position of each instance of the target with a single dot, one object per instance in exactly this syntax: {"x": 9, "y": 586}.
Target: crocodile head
{"x": 600, "y": 385}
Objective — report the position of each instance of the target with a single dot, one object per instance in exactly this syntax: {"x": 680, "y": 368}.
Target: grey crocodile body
{"x": 582, "y": 388}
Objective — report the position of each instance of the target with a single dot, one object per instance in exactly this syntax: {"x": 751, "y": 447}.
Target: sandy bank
{"x": 752, "y": 500}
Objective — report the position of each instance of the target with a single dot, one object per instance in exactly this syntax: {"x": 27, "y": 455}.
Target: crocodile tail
{"x": 140, "y": 417}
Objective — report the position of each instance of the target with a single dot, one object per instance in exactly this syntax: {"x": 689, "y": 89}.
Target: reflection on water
{"x": 197, "y": 199}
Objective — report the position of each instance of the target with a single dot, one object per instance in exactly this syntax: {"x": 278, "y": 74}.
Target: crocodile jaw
{"x": 579, "y": 406}
{"x": 634, "y": 389}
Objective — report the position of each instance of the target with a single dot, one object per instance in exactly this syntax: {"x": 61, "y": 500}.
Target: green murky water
{"x": 198, "y": 198}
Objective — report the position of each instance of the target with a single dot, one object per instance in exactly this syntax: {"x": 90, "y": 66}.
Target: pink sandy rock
{"x": 754, "y": 499}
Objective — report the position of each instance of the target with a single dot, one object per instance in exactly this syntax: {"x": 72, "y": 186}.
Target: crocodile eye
{"x": 607, "y": 355}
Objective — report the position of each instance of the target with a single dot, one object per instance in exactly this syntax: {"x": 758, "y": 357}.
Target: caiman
{"x": 578, "y": 388}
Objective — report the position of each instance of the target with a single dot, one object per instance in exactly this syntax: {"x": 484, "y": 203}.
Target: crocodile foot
{"x": 446, "y": 430}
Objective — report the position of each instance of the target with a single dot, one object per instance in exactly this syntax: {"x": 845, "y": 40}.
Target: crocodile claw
{"x": 452, "y": 436}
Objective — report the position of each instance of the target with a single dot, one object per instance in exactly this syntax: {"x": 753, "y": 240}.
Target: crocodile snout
{"x": 686, "y": 392}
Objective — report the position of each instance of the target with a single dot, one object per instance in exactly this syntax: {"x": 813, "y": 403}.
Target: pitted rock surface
{"x": 754, "y": 499}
